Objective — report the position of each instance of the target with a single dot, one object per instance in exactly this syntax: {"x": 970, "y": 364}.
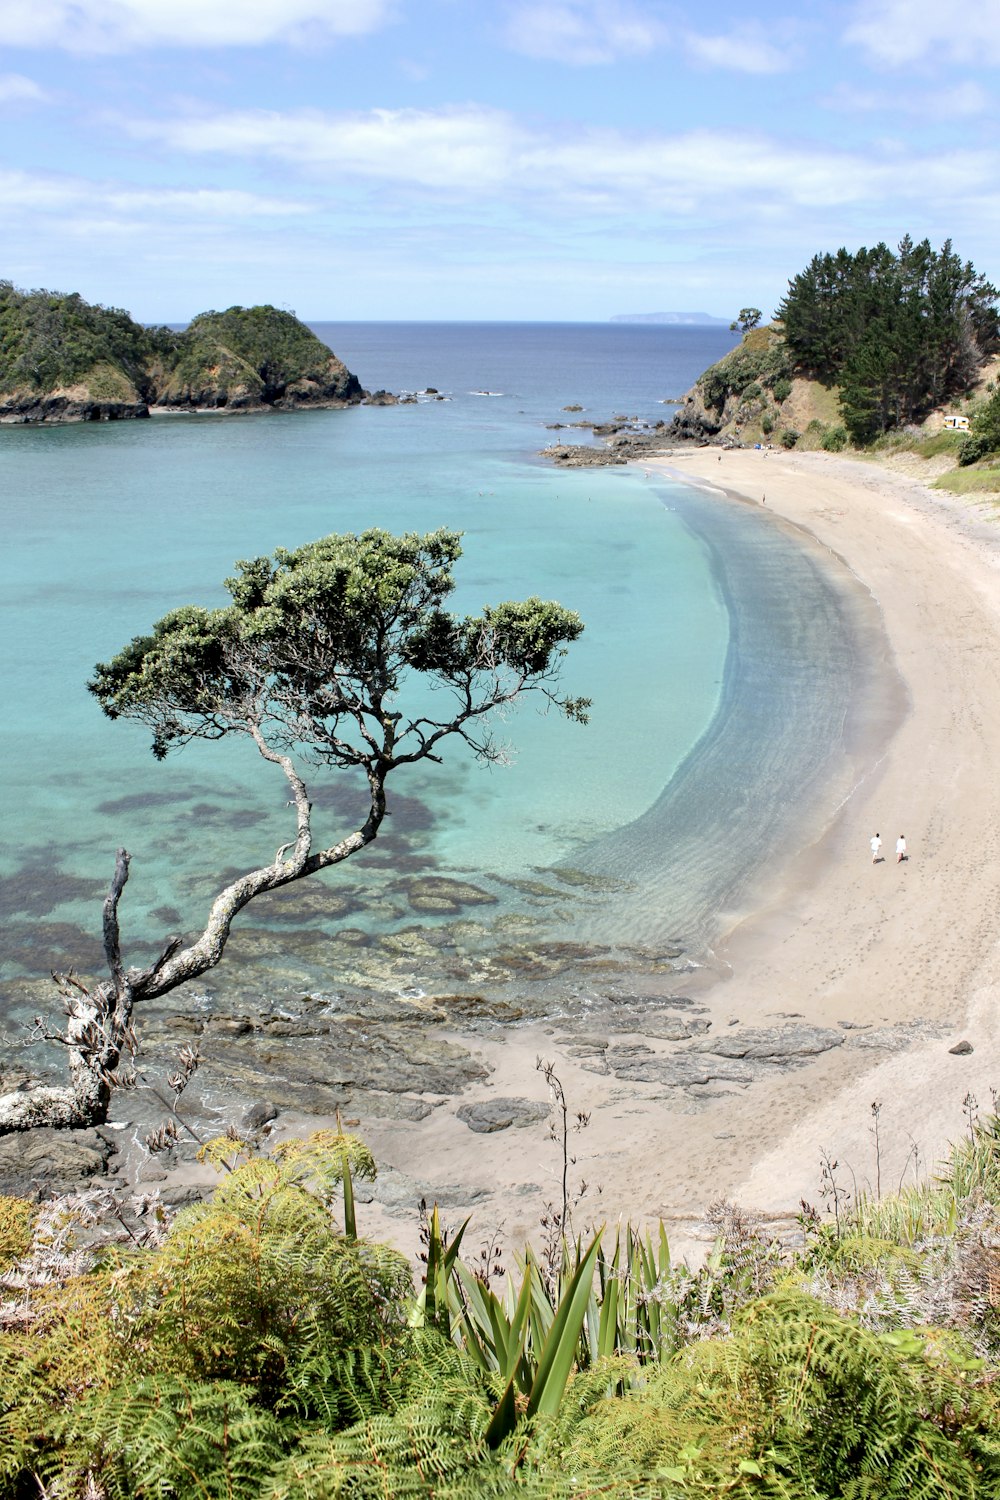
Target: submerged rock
{"x": 436, "y": 895}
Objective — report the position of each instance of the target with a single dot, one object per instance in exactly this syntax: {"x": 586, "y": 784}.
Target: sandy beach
{"x": 899, "y": 961}
{"x": 835, "y": 983}
{"x": 845, "y": 940}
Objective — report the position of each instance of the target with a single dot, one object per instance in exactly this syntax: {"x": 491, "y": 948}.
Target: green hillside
{"x": 865, "y": 344}
{"x": 62, "y": 358}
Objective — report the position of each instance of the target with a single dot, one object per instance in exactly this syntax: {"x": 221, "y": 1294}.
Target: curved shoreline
{"x": 838, "y": 941}
{"x": 847, "y": 982}
{"x": 809, "y": 696}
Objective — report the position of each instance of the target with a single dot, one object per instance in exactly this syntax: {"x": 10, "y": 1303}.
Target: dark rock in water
{"x": 380, "y": 398}
{"x": 25, "y": 406}
{"x": 44, "y": 1163}
{"x": 228, "y": 1026}
{"x": 181, "y": 1194}
{"x": 584, "y": 457}
{"x": 961, "y": 1049}
{"x": 435, "y": 895}
{"x": 488, "y": 1115}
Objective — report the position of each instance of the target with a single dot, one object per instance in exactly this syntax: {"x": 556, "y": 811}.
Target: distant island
{"x": 66, "y": 360}
{"x": 699, "y": 319}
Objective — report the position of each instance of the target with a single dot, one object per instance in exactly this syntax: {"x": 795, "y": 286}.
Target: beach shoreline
{"x": 873, "y": 971}
{"x": 835, "y": 984}
{"x": 838, "y": 942}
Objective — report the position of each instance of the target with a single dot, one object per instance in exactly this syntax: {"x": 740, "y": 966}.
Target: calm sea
{"x": 717, "y": 650}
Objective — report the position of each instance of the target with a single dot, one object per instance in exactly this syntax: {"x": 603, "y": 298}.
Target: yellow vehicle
{"x": 957, "y": 424}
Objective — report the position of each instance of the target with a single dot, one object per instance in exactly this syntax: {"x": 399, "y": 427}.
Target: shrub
{"x": 789, "y": 437}
{"x": 767, "y": 424}
{"x": 984, "y": 432}
{"x": 834, "y": 440}
{"x": 781, "y": 390}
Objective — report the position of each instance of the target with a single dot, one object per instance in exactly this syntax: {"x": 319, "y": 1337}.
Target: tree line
{"x": 898, "y": 331}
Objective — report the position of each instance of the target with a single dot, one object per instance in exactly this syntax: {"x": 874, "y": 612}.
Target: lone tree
{"x": 315, "y": 660}
{"x": 748, "y": 318}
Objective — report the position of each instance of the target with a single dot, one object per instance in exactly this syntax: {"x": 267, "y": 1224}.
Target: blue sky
{"x": 457, "y": 159}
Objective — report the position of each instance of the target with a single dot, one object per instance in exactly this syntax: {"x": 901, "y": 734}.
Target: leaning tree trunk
{"x": 99, "y": 1038}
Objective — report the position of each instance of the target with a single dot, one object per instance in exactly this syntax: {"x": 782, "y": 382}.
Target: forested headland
{"x": 65, "y": 359}
{"x": 865, "y": 345}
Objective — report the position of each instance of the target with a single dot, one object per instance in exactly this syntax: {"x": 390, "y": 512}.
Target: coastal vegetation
{"x": 62, "y": 359}
{"x": 340, "y": 655}
{"x": 898, "y": 332}
{"x": 257, "y": 1347}
{"x": 865, "y": 345}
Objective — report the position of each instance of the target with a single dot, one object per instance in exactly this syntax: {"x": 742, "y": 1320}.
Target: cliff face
{"x": 755, "y": 393}
{"x": 63, "y": 360}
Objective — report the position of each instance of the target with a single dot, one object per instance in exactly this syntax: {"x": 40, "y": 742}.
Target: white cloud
{"x": 964, "y": 101}
{"x": 478, "y": 155}
{"x": 465, "y": 150}
{"x": 25, "y": 191}
{"x": 126, "y": 25}
{"x": 16, "y": 89}
{"x": 584, "y": 32}
{"x": 743, "y": 50}
{"x": 895, "y": 33}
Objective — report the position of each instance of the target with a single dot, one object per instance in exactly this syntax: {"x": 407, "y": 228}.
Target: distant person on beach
{"x": 876, "y": 843}
{"x": 900, "y": 849}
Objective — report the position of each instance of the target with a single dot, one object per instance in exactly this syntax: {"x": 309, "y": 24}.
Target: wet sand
{"x": 888, "y": 965}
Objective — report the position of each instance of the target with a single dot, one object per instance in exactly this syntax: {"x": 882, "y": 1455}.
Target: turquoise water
{"x": 106, "y": 527}
{"x": 717, "y": 650}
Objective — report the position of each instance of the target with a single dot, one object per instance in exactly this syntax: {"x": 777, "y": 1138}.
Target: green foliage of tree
{"x": 761, "y": 360}
{"x": 340, "y": 654}
{"x": 898, "y": 331}
{"x": 983, "y": 437}
{"x": 50, "y": 339}
{"x": 747, "y": 318}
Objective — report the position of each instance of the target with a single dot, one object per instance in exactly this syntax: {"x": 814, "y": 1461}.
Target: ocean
{"x": 720, "y": 653}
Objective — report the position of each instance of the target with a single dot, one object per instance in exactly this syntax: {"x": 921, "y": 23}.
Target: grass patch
{"x": 970, "y": 481}
{"x": 945, "y": 441}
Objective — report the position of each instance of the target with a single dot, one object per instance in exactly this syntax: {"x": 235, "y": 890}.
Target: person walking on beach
{"x": 876, "y": 844}
{"x": 900, "y": 849}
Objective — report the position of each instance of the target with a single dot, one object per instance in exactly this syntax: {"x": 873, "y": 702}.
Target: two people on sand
{"x": 876, "y": 844}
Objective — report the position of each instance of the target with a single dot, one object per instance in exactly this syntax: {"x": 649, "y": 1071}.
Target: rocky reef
{"x": 65, "y": 360}
{"x": 754, "y": 394}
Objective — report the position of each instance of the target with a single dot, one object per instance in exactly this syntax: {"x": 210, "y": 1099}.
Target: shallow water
{"x": 714, "y": 642}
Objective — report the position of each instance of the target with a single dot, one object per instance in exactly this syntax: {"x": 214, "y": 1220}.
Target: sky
{"x": 485, "y": 159}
